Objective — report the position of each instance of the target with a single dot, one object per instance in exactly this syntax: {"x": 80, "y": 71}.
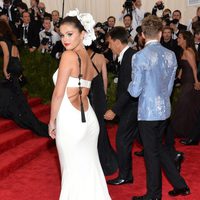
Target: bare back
{"x": 100, "y": 64}
{"x": 14, "y": 51}
{"x": 88, "y": 74}
{"x": 5, "y": 48}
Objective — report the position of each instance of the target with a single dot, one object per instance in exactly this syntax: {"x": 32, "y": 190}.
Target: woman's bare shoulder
{"x": 3, "y": 43}
{"x": 4, "y": 47}
{"x": 99, "y": 56}
{"x": 189, "y": 51}
{"x": 68, "y": 60}
{"x": 69, "y": 55}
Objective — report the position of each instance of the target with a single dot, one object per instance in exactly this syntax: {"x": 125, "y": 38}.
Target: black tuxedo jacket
{"x": 14, "y": 13}
{"x": 33, "y": 34}
{"x": 173, "y": 46}
{"x": 124, "y": 78}
{"x": 182, "y": 27}
{"x": 57, "y": 48}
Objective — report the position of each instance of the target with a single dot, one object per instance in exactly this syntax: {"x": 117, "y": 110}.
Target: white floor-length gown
{"x": 82, "y": 175}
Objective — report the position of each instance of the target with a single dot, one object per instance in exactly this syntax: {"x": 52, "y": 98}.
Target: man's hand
{"x": 109, "y": 115}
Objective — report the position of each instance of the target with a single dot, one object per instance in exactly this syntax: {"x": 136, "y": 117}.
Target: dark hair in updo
{"x": 73, "y": 21}
{"x": 189, "y": 38}
{"x": 6, "y": 32}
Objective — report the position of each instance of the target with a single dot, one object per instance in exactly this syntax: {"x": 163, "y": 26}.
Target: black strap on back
{"x": 94, "y": 64}
{"x": 80, "y": 91}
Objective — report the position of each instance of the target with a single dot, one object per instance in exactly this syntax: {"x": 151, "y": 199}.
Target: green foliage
{"x": 111, "y": 91}
{"x": 38, "y": 69}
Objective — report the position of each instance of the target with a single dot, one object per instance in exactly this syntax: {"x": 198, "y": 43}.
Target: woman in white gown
{"x": 72, "y": 122}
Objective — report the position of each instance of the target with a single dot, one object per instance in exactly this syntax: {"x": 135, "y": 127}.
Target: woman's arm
{"x": 190, "y": 56}
{"x": 68, "y": 61}
{"x": 179, "y": 74}
{"x": 104, "y": 74}
{"x": 5, "y": 58}
{"x": 192, "y": 61}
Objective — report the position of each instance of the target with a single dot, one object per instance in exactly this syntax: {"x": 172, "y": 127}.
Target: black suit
{"x": 32, "y": 35}
{"x": 173, "y": 46}
{"x": 182, "y": 27}
{"x": 57, "y": 48}
{"x": 13, "y": 28}
{"x": 14, "y": 13}
{"x": 126, "y": 108}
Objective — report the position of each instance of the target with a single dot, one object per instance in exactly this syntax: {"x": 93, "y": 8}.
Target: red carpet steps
{"x": 18, "y": 146}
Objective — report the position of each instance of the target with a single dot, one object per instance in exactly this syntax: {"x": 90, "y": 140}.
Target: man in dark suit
{"x": 176, "y": 25}
{"x": 125, "y": 106}
{"x": 11, "y": 11}
{"x": 167, "y": 41}
{"x": 28, "y": 33}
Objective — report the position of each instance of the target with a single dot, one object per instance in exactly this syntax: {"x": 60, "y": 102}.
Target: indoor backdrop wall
{"x": 101, "y": 9}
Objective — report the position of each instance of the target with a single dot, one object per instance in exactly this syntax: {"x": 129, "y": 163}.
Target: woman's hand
{"x": 52, "y": 130}
{"x": 7, "y": 75}
{"x": 197, "y": 86}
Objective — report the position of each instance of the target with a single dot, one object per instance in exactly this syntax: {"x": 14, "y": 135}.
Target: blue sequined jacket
{"x": 153, "y": 74}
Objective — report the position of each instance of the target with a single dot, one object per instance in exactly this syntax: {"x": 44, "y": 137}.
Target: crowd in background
{"x": 114, "y": 50}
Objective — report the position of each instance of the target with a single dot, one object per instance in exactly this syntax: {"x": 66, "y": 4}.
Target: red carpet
{"x": 29, "y": 168}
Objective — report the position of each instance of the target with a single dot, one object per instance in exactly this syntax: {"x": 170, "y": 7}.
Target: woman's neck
{"x": 90, "y": 52}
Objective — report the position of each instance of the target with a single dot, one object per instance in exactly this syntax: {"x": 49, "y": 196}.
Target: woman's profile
{"x": 186, "y": 111}
{"x": 73, "y": 122}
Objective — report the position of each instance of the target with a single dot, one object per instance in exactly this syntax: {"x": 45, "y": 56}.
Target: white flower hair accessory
{"x": 88, "y": 23}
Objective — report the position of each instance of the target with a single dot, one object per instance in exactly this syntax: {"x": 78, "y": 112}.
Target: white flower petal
{"x": 88, "y": 23}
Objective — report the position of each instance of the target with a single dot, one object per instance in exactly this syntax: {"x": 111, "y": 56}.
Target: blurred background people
{"x": 56, "y": 20}
{"x": 133, "y": 8}
{"x": 127, "y": 20}
{"x": 13, "y": 103}
{"x": 48, "y": 37}
{"x": 28, "y": 34}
